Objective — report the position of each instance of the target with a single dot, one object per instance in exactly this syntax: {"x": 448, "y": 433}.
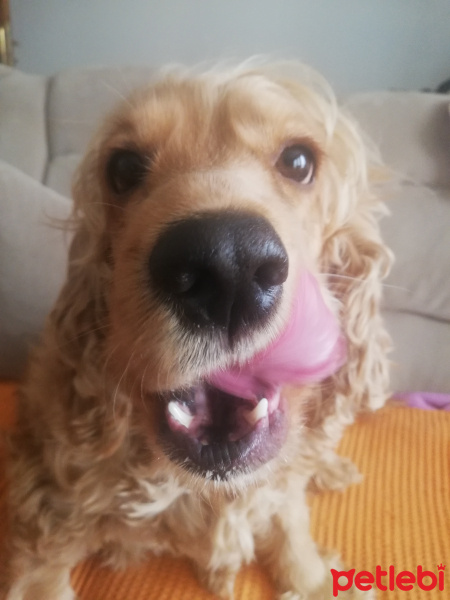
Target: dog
{"x": 218, "y": 330}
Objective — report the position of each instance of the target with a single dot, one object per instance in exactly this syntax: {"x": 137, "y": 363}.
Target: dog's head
{"x": 227, "y": 246}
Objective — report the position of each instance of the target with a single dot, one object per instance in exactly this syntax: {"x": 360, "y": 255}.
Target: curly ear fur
{"x": 70, "y": 361}
{"x": 81, "y": 308}
{"x": 354, "y": 261}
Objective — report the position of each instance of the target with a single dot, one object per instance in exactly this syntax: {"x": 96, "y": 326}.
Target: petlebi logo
{"x": 389, "y": 579}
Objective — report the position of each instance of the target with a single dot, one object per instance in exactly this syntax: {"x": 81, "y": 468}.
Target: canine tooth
{"x": 260, "y": 411}
{"x": 179, "y": 415}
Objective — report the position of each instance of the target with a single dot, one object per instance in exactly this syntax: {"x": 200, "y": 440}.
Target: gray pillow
{"x": 33, "y": 260}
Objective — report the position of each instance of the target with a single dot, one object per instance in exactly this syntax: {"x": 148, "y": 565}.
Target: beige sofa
{"x": 45, "y": 124}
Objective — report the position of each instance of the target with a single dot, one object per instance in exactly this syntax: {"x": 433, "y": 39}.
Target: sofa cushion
{"x": 60, "y": 173}
{"x": 33, "y": 257}
{"x": 23, "y": 126}
{"x": 412, "y": 130}
{"x": 418, "y": 232}
{"x": 417, "y": 292}
{"x": 79, "y": 98}
{"x": 421, "y": 355}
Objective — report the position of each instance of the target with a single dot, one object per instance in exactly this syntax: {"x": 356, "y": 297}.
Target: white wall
{"x": 357, "y": 44}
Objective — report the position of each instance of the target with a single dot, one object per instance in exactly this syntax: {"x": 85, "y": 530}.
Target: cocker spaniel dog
{"x": 218, "y": 329}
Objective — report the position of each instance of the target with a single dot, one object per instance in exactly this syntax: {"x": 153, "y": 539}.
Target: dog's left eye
{"x": 125, "y": 170}
{"x": 297, "y": 162}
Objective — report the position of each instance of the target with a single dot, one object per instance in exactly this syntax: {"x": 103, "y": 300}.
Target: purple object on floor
{"x": 426, "y": 400}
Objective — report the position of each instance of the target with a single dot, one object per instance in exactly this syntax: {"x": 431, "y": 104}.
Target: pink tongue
{"x": 311, "y": 348}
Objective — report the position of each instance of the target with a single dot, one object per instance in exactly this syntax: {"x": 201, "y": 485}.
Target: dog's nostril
{"x": 271, "y": 273}
{"x": 198, "y": 284}
{"x": 184, "y": 281}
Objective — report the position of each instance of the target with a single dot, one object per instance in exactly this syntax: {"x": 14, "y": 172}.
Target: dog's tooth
{"x": 260, "y": 411}
{"x": 179, "y": 415}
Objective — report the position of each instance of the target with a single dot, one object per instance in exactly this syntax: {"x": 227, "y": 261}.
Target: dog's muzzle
{"x": 220, "y": 273}
{"x": 220, "y": 270}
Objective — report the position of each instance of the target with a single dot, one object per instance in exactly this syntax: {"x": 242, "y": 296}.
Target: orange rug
{"x": 399, "y": 515}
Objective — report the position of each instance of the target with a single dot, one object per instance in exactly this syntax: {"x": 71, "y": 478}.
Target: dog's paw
{"x": 326, "y": 594}
{"x": 294, "y": 596}
{"x": 291, "y": 596}
{"x": 327, "y": 591}
{"x": 352, "y": 594}
{"x": 324, "y": 588}
{"x": 220, "y": 582}
{"x": 19, "y": 594}
{"x": 38, "y": 590}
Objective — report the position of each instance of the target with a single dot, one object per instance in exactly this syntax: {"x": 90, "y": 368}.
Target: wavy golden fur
{"x": 88, "y": 473}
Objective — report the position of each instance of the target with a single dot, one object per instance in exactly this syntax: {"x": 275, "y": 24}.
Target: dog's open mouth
{"x": 236, "y": 420}
{"x": 216, "y": 434}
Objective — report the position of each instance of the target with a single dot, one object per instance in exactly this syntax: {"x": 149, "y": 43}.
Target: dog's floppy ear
{"x": 356, "y": 261}
{"x": 81, "y": 310}
{"x": 74, "y": 338}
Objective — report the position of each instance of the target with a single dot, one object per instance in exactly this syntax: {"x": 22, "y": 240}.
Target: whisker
{"x": 362, "y": 280}
{"x": 397, "y": 287}
{"x": 120, "y": 381}
{"x": 142, "y": 389}
{"x": 108, "y": 204}
{"x": 340, "y": 276}
{"x": 105, "y": 367}
{"x": 83, "y": 333}
{"x": 57, "y": 121}
{"x": 117, "y": 93}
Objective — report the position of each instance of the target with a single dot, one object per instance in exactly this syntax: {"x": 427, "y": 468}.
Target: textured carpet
{"x": 399, "y": 515}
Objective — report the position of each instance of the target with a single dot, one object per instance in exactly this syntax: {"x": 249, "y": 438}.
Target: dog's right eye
{"x": 125, "y": 170}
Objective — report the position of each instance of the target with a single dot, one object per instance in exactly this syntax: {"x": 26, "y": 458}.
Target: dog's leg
{"x": 220, "y": 582}
{"x": 38, "y": 563}
{"x": 285, "y": 547}
{"x": 288, "y": 551}
{"x": 30, "y": 577}
{"x": 43, "y": 583}
{"x": 298, "y": 569}
{"x": 218, "y": 573}
{"x": 231, "y": 544}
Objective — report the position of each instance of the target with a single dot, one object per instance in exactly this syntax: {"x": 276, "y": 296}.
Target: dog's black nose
{"x": 222, "y": 269}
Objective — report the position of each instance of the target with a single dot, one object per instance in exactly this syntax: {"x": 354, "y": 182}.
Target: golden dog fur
{"x": 87, "y": 472}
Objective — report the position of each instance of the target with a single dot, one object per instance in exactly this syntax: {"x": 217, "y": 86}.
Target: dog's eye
{"x": 297, "y": 162}
{"x": 125, "y": 170}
